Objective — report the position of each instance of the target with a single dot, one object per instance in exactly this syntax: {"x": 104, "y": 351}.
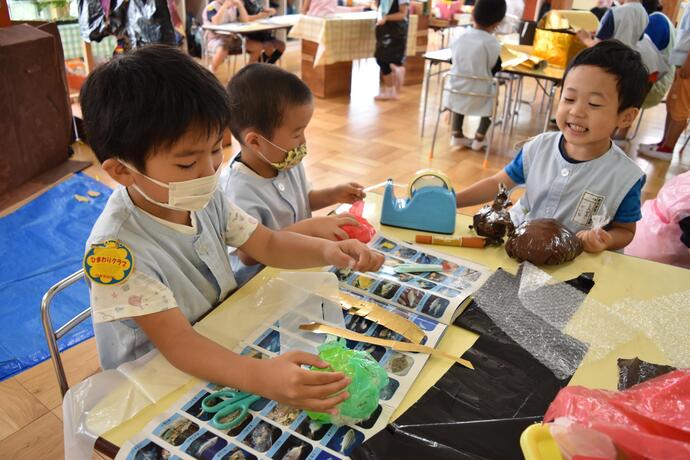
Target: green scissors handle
{"x": 226, "y": 402}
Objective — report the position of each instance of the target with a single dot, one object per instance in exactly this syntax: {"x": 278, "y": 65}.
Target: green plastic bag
{"x": 368, "y": 379}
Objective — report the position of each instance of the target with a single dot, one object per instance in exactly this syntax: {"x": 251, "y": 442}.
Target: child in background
{"x": 627, "y": 23}
{"x": 512, "y": 21}
{"x": 578, "y": 172}
{"x": 663, "y": 34}
{"x": 319, "y": 8}
{"x": 391, "y": 41}
{"x": 476, "y": 53}
{"x": 602, "y": 7}
{"x": 270, "y": 109}
{"x": 220, "y": 45}
{"x": 323, "y": 8}
{"x": 156, "y": 260}
{"x": 663, "y": 234}
{"x": 271, "y": 48}
{"x": 678, "y": 98}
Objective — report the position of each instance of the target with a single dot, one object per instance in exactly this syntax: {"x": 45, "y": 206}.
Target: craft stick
{"x": 320, "y": 328}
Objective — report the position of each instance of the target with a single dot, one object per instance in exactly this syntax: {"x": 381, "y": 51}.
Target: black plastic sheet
{"x": 475, "y": 414}
{"x": 634, "y": 371}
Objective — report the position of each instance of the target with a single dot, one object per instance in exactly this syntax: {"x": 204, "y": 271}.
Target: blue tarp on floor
{"x": 40, "y": 244}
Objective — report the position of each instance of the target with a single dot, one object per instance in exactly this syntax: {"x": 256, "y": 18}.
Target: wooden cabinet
{"x": 35, "y": 116}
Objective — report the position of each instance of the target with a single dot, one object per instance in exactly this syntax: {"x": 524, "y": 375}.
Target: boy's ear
{"x": 251, "y": 139}
{"x": 627, "y": 117}
{"x": 119, "y": 172}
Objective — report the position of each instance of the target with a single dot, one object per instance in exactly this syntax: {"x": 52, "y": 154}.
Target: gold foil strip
{"x": 376, "y": 313}
{"x": 320, "y": 328}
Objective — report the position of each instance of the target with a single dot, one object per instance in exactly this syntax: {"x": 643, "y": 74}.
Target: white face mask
{"x": 189, "y": 195}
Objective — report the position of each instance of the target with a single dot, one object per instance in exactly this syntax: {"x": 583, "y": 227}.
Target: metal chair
{"x": 493, "y": 96}
{"x": 232, "y": 54}
{"x": 52, "y": 335}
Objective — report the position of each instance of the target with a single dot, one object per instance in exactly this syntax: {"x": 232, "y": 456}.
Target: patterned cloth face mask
{"x": 293, "y": 157}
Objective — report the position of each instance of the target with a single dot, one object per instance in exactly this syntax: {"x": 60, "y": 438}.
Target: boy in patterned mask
{"x": 270, "y": 109}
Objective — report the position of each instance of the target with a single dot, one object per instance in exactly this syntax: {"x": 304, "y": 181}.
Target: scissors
{"x": 226, "y": 402}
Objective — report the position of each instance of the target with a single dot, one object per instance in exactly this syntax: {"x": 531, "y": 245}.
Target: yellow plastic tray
{"x": 537, "y": 444}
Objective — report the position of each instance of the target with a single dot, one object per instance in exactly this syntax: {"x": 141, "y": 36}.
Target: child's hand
{"x": 381, "y": 21}
{"x": 348, "y": 193}
{"x": 285, "y": 381}
{"x": 353, "y": 254}
{"x": 270, "y": 11}
{"x": 584, "y": 35}
{"x": 328, "y": 227}
{"x": 595, "y": 240}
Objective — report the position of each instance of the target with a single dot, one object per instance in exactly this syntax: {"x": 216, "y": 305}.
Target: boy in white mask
{"x": 270, "y": 109}
{"x": 156, "y": 259}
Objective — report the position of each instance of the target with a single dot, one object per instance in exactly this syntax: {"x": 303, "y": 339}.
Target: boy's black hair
{"x": 260, "y": 96}
{"x": 621, "y": 61}
{"x": 489, "y": 12}
{"x": 149, "y": 99}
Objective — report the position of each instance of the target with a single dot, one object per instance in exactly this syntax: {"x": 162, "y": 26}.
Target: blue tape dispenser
{"x": 430, "y": 206}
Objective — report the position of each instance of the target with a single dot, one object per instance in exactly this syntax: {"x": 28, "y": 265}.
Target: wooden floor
{"x": 349, "y": 139}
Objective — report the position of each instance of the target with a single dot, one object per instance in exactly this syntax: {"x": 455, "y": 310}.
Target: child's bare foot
{"x": 387, "y": 93}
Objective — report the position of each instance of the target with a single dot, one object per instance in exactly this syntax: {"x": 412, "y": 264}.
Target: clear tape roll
{"x": 428, "y": 178}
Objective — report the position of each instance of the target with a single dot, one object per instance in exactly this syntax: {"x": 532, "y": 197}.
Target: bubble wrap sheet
{"x": 559, "y": 325}
{"x": 532, "y": 313}
{"x": 664, "y": 320}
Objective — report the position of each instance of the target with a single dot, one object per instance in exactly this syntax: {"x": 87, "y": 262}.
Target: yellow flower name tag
{"x": 109, "y": 263}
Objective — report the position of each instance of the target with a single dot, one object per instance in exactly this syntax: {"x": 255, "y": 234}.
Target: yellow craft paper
{"x": 373, "y": 312}
{"x": 553, "y": 43}
{"x": 568, "y": 19}
{"x": 393, "y": 344}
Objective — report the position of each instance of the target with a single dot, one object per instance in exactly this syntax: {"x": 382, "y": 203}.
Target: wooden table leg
{"x": 88, "y": 57}
{"x": 4, "y": 14}
{"x": 414, "y": 65}
{"x": 325, "y": 80}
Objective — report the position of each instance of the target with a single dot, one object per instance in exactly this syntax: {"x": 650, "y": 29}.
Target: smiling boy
{"x": 578, "y": 172}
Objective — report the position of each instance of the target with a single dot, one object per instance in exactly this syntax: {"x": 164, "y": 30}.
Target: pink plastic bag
{"x": 365, "y": 231}
{"x": 648, "y": 421}
{"x": 658, "y": 235}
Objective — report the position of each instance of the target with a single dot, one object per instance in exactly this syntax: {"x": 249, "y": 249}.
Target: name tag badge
{"x": 588, "y": 205}
{"x": 108, "y": 263}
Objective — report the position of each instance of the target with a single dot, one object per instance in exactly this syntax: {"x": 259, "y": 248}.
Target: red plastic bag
{"x": 365, "y": 231}
{"x": 648, "y": 421}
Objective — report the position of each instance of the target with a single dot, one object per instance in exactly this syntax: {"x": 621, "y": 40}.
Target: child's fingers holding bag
{"x": 594, "y": 241}
{"x": 287, "y": 382}
{"x": 324, "y": 405}
{"x": 346, "y": 219}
